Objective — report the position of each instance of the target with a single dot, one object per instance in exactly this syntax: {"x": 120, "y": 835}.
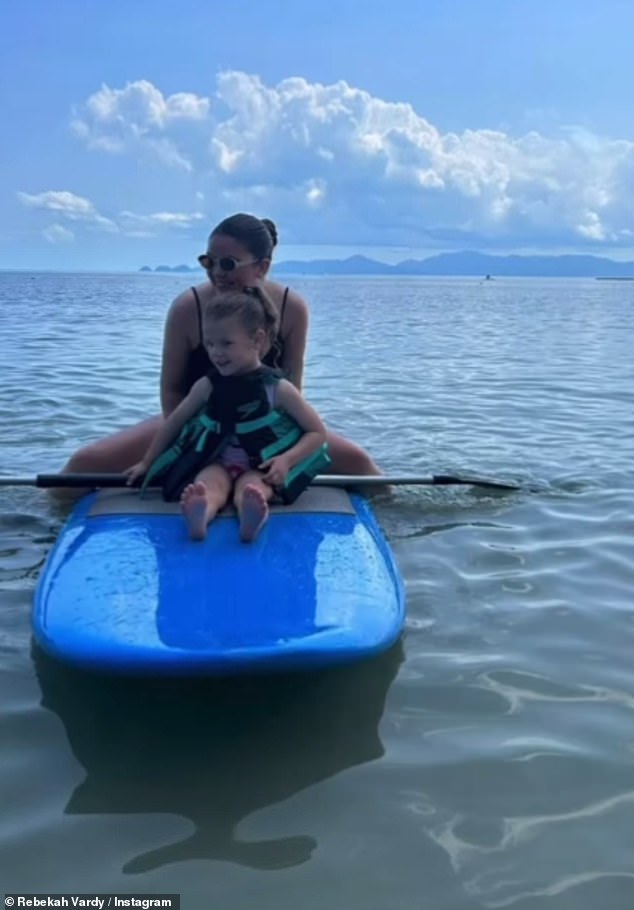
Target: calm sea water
{"x": 488, "y": 760}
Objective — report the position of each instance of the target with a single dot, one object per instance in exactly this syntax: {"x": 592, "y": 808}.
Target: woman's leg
{"x": 251, "y": 496}
{"x": 109, "y": 455}
{"x": 114, "y": 453}
{"x": 202, "y": 500}
{"x": 347, "y": 457}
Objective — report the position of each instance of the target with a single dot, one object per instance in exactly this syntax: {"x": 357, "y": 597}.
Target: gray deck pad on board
{"x": 129, "y": 502}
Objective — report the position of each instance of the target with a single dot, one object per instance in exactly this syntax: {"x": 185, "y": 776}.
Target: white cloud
{"x": 168, "y": 153}
{"x": 340, "y": 165}
{"x": 591, "y": 227}
{"x": 315, "y": 192}
{"x": 227, "y": 159}
{"x": 77, "y": 209}
{"x": 116, "y": 120}
{"x": 57, "y": 233}
{"x": 143, "y": 107}
{"x": 388, "y": 172}
{"x": 67, "y": 205}
{"x": 136, "y": 225}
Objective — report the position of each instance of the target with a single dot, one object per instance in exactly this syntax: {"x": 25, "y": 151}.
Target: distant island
{"x": 464, "y": 264}
{"x": 170, "y": 268}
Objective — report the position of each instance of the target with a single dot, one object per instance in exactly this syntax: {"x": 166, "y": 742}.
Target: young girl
{"x": 241, "y": 426}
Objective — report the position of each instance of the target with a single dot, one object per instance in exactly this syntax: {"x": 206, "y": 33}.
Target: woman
{"x": 239, "y": 253}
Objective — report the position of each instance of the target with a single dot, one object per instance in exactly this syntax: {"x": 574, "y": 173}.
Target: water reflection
{"x": 215, "y": 751}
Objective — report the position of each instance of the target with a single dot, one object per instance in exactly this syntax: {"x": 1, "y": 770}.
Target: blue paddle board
{"x": 125, "y": 590}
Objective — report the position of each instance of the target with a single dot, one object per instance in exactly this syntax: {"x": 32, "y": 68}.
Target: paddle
{"x": 324, "y": 480}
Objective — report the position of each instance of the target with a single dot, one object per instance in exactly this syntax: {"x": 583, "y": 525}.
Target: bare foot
{"x": 254, "y": 511}
{"x": 194, "y": 504}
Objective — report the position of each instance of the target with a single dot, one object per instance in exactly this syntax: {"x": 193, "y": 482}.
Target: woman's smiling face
{"x": 230, "y": 265}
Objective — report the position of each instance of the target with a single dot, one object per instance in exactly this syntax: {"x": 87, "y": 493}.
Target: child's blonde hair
{"x": 253, "y": 307}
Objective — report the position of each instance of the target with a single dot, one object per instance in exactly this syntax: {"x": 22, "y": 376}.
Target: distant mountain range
{"x": 456, "y": 264}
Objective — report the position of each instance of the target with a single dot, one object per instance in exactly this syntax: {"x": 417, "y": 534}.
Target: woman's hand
{"x": 135, "y": 473}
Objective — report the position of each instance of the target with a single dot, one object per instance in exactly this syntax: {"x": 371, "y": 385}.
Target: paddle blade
{"x": 448, "y": 479}
{"x": 384, "y": 480}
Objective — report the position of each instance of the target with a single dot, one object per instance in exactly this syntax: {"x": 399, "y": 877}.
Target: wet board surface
{"x": 125, "y": 590}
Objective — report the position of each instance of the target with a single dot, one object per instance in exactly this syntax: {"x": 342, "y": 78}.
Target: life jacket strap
{"x": 282, "y": 444}
{"x": 299, "y": 477}
{"x": 206, "y": 426}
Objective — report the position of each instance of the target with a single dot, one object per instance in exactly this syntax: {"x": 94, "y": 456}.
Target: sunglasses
{"x": 224, "y": 263}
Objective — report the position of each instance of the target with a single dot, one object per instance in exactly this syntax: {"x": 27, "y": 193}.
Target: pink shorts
{"x": 234, "y": 470}
{"x": 235, "y": 461}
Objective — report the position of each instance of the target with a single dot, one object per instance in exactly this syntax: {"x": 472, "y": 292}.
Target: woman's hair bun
{"x": 270, "y": 226}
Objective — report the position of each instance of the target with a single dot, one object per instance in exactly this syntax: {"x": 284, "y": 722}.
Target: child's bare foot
{"x": 194, "y": 504}
{"x": 254, "y": 511}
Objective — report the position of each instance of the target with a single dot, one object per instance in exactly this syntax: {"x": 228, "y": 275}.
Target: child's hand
{"x": 275, "y": 470}
{"x": 135, "y": 473}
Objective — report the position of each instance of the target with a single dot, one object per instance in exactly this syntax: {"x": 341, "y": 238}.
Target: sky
{"x": 393, "y": 130}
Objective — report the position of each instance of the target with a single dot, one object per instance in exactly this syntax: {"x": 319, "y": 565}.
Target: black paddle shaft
{"x": 81, "y": 480}
{"x": 87, "y": 481}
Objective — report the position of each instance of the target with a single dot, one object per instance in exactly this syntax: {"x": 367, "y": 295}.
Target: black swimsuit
{"x": 198, "y": 363}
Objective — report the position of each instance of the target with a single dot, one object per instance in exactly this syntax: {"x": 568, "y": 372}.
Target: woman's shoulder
{"x": 186, "y": 300}
{"x": 183, "y": 318}
{"x": 285, "y": 296}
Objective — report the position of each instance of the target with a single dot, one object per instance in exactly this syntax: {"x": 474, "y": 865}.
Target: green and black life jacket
{"x": 238, "y": 408}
